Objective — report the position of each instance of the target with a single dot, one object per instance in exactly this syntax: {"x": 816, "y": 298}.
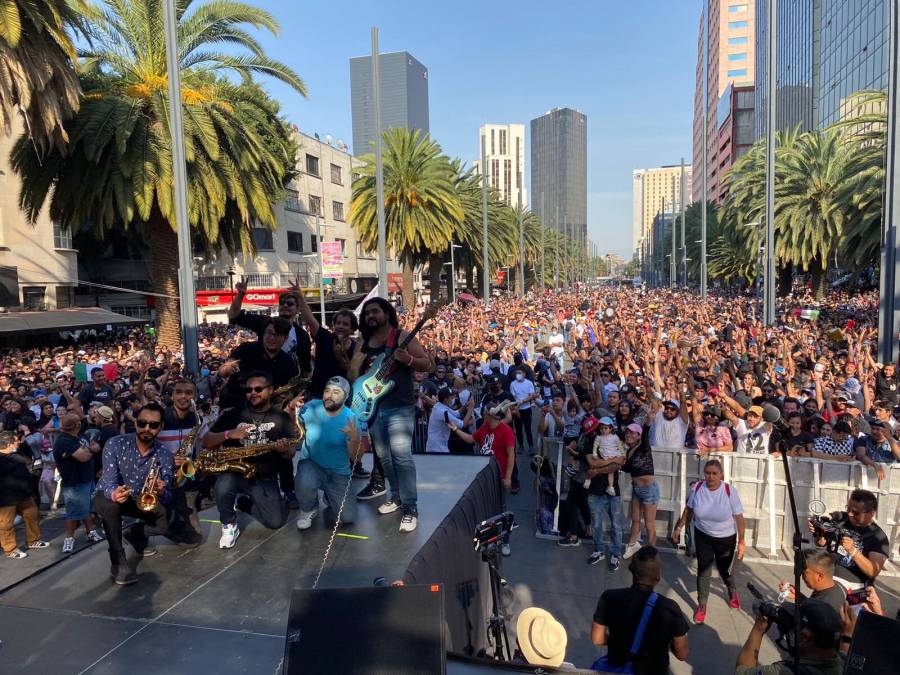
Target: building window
{"x": 258, "y": 280}
{"x": 356, "y": 177}
{"x": 740, "y": 72}
{"x": 361, "y": 251}
{"x": 740, "y": 56}
{"x": 262, "y": 239}
{"x": 337, "y": 176}
{"x": 134, "y": 311}
{"x": 300, "y": 270}
{"x": 315, "y": 205}
{"x": 62, "y": 237}
{"x": 315, "y": 242}
{"x": 734, "y": 9}
{"x": 33, "y": 297}
{"x": 65, "y": 297}
{"x": 495, "y": 174}
{"x": 343, "y": 243}
{"x": 337, "y": 210}
{"x": 507, "y": 180}
{"x": 737, "y": 41}
{"x": 503, "y": 141}
{"x": 736, "y": 24}
{"x": 312, "y": 163}
{"x": 215, "y": 282}
{"x": 493, "y": 146}
{"x": 295, "y": 242}
{"x": 292, "y": 201}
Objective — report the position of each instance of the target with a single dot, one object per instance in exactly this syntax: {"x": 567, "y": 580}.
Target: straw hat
{"x": 541, "y": 638}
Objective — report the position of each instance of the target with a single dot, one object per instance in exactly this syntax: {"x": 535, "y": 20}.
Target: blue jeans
{"x": 311, "y": 478}
{"x": 392, "y": 435}
{"x": 603, "y": 507}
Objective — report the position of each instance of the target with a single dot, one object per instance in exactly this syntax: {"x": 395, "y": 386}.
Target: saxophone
{"x": 289, "y": 390}
{"x": 188, "y": 469}
{"x": 148, "y": 500}
{"x": 232, "y": 459}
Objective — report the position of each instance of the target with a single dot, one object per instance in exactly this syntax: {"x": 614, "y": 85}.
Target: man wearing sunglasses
{"x": 297, "y": 344}
{"x": 254, "y": 423}
{"x": 126, "y": 461}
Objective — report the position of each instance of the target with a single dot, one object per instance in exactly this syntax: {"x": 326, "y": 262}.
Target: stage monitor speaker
{"x": 875, "y": 647}
{"x": 366, "y": 631}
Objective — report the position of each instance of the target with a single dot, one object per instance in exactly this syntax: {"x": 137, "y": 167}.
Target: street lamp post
{"x": 230, "y": 272}
{"x": 769, "y": 304}
{"x": 453, "y": 271}
{"x": 321, "y": 269}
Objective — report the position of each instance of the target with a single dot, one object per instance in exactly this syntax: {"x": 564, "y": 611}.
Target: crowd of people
{"x": 111, "y": 420}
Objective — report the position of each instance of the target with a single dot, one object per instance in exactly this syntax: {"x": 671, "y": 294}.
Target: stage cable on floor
{"x": 337, "y": 524}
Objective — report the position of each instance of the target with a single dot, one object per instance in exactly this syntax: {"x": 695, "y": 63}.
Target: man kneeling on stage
{"x": 263, "y": 434}
{"x": 127, "y": 487}
{"x": 330, "y": 448}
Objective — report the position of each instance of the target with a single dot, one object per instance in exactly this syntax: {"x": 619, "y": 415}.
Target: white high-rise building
{"x": 648, "y": 189}
{"x": 505, "y": 151}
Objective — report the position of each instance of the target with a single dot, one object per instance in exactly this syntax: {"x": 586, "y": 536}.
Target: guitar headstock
{"x": 430, "y": 311}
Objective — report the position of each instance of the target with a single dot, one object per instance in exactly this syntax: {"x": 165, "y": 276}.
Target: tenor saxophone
{"x": 188, "y": 469}
{"x": 148, "y": 500}
{"x": 232, "y": 459}
{"x": 296, "y": 383}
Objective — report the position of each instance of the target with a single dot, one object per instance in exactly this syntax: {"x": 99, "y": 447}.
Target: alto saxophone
{"x": 188, "y": 469}
{"x": 232, "y": 459}
{"x": 297, "y": 383}
{"x": 148, "y": 500}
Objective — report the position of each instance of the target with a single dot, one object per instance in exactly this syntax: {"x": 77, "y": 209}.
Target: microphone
{"x": 772, "y": 415}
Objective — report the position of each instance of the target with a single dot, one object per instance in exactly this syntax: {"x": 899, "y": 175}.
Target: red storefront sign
{"x": 395, "y": 282}
{"x": 254, "y": 296}
{"x": 501, "y": 275}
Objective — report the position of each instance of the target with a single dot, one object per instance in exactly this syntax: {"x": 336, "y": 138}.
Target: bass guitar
{"x": 376, "y": 383}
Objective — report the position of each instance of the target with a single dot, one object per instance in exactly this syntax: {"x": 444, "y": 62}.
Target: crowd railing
{"x": 762, "y": 486}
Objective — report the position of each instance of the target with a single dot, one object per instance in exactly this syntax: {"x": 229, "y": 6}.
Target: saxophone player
{"x": 127, "y": 460}
{"x": 256, "y": 422}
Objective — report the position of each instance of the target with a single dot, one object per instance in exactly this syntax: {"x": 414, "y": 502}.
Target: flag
{"x": 81, "y": 372}
{"x": 371, "y": 294}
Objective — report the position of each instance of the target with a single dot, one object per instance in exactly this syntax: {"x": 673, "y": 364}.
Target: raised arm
{"x": 235, "y": 308}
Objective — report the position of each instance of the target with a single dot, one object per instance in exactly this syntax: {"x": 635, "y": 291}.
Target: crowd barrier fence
{"x": 761, "y": 484}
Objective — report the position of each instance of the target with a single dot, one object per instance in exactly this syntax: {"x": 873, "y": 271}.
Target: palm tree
{"x": 37, "y": 72}
{"x": 421, "y": 205}
{"x": 118, "y": 169}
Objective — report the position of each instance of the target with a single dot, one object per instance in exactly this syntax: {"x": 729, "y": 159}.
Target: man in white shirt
{"x": 752, "y": 431}
{"x": 668, "y": 423}
{"x": 438, "y": 422}
{"x": 524, "y": 392}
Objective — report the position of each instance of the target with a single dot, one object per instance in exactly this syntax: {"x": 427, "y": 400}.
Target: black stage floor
{"x": 209, "y": 608}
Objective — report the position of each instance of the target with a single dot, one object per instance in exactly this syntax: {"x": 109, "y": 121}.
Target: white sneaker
{"x": 94, "y": 536}
{"x": 230, "y": 533}
{"x": 68, "y": 545}
{"x": 408, "y": 522}
{"x": 388, "y": 507}
{"x": 17, "y": 554}
{"x": 631, "y": 549}
{"x": 304, "y": 520}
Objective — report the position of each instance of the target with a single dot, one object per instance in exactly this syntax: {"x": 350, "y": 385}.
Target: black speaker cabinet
{"x": 875, "y": 647}
{"x": 366, "y": 631}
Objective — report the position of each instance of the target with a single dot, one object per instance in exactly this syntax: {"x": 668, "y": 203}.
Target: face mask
{"x": 204, "y": 372}
{"x": 520, "y": 376}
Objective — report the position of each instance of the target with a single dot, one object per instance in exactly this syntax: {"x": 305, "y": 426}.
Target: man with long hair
{"x": 391, "y": 430}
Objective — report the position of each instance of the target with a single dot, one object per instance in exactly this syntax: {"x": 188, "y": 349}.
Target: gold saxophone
{"x": 188, "y": 469}
{"x": 297, "y": 382}
{"x": 148, "y": 500}
{"x": 232, "y": 459}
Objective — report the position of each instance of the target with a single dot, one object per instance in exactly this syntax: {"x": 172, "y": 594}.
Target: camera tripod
{"x": 496, "y": 623}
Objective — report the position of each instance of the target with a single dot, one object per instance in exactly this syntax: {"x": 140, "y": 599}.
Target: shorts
{"x": 78, "y": 501}
{"x": 646, "y": 494}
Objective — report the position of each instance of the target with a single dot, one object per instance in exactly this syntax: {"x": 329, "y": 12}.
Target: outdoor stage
{"x": 211, "y": 609}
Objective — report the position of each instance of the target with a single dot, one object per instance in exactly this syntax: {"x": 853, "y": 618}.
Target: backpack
{"x": 700, "y": 483}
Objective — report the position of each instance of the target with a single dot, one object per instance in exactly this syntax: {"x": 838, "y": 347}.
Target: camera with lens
{"x": 779, "y": 615}
{"x": 829, "y": 529}
{"x": 493, "y": 531}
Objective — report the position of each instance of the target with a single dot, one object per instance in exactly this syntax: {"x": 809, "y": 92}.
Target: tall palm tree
{"x": 118, "y": 169}
{"x": 37, "y": 72}
{"x": 421, "y": 205}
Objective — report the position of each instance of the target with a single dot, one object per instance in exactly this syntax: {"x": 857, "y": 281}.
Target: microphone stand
{"x": 772, "y": 415}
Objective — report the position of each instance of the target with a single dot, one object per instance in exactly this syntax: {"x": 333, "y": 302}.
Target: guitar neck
{"x": 389, "y": 363}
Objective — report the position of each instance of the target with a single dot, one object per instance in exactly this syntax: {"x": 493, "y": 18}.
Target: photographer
{"x": 820, "y": 627}
{"x": 818, "y": 575}
{"x": 861, "y": 547}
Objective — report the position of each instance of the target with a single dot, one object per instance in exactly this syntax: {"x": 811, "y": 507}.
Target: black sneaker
{"x": 613, "y": 563}
{"x": 596, "y": 557}
{"x": 125, "y": 576}
{"x": 360, "y": 472}
{"x": 371, "y": 491}
{"x": 569, "y": 541}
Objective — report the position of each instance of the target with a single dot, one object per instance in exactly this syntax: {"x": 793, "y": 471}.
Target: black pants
{"x": 180, "y": 512}
{"x": 720, "y": 550}
{"x": 268, "y": 506}
{"x": 153, "y": 522}
{"x": 286, "y": 474}
{"x": 523, "y": 422}
{"x": 377, "y": 475}
{"x": 574, "y": 513}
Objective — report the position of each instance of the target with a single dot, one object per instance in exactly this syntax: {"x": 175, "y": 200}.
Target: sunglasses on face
{"x": 143, "y": 424}
{"x": 286, "y": 303}
{"x": 255, "y": 390}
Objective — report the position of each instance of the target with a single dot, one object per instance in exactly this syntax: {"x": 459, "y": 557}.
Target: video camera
{"x": 491, "y": 532}
{"x": 779, "y": 615}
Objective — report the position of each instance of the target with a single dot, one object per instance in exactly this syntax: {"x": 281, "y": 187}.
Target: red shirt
{"x": 498, "y": 441}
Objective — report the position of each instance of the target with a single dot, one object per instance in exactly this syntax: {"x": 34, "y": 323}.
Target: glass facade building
{"x": 827, "y": 51}
{"x": 559, "y": 171}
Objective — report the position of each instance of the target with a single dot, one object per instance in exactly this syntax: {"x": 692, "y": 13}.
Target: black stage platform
{"x": 210, "y": 609}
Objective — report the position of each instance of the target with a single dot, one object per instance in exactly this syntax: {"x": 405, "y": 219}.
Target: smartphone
{"x": 857, "y": 597}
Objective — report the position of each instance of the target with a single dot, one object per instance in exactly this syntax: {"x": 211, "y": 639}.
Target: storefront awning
{"x": 20, "y": 323}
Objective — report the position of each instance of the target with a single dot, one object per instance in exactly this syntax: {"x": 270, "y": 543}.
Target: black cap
{"x": 821, "y": 619}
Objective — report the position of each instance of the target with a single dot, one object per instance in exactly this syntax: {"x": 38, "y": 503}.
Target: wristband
{"x": 846, "y": 639}
{"x": 227, "y": 432}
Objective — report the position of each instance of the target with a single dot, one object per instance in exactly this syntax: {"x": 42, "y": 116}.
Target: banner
{"x": 332, "y": 260}
{"x": 501, "y": 275}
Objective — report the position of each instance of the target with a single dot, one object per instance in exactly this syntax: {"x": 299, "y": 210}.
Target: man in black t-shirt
{"x": 619, "y": 613}
{"x": 864, "y": 548}
{"x": 257, "y": 422}
{"x": 818, "y": 575}
{"x": 98, "y": 390}
{"x": 74, "y": 459}
{"x": 494, "y": 396}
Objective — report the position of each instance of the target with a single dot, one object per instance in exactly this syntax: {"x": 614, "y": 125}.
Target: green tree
{"x": 421, "y": 204}
{"x": 37, "y": 72}
{"x": 117, "y": 171}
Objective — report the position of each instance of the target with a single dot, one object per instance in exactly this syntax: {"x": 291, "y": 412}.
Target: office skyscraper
{"x": 559, "y": 171}
{"x": 505, "y": 148}
{"x": 404, "y": 96}
{"x": 649, "y": 187}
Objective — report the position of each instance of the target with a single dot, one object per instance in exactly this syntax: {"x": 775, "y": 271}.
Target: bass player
{"x": 391, "y": 430}
{"x": 257, "y": 422}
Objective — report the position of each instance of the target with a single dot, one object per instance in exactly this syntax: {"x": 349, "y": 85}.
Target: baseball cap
{"x": 713, "y": 410}
{"x": 821, "y": 619}
{"x": 756, "y": 410}
{"x": 606, "y": 421}
{"x": 635, "y": 427}
{"x": 878, "y": 424}
{"x": 105, "y": 412}
{"x": 713, "y": 391}
{"x": 589, "y": 424}
{"x": 673, "y": 403}
{"x": 341, "y": 383}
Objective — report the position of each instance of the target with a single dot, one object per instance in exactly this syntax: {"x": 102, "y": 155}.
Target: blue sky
{"x": 629, "y": 66}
